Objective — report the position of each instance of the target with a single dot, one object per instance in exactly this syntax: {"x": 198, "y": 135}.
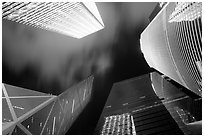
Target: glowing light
{"x": 84, "y": 94}
{"x": 125, "y": 104}
{"x": 18, "y": 107}
{"x": 108, "y": 107}
{"x": 53, "y": 126}
{"x": 73, "y": 105}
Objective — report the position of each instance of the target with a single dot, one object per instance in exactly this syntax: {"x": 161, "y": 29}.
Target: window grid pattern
{"x": 69, "y": 18}
{"x": 188, "y": 44}
{"x": 119, "y": 125}
{"x": 172, "y": 43}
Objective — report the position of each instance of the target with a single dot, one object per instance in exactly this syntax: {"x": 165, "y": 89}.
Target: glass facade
{"x": 172, "y": 43}
{"x": 184, "y": 108}
{"x": 155, "y": 103}
{"x": 74, "y": 19}
{"x": 38, "y": 113}
{"x": 119, "y": 125}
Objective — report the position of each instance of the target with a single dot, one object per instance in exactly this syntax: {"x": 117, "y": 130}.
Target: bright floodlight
{"x": 74, "y": 19}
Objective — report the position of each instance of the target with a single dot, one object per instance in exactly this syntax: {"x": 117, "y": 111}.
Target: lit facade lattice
{"x": 172, "y": 44}
{"x": 186, "y": 11}
{"x": 184, "y": 109}
{"x": 119, "y": 125}
{"x": 30, "y": 112}
{"x": 75, "y": 19}
{"x": 185, "y": 115}
{"x": 159, "y": 107}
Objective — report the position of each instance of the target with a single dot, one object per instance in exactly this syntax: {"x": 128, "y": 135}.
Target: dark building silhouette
{"x": 30, "y": 112}
{"x": 155, "y": 12}
{"x": 150, "y": 104}
{"x": 172, "y": 43}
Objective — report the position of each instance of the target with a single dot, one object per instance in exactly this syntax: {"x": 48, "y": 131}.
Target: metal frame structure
{"x": 30, "y": 112}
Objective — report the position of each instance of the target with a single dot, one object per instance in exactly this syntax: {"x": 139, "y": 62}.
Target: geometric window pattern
{"x": 185, "y": 115}
{"x": 184, "y": 109}
{"x": 18, "y": 131}
{"x": 38, "y": 113}
{"x": 119, "y": 125}
{"x": 186, "y": 11}
{"x": 172, "y": 43}
{"x": 75, "y": 19}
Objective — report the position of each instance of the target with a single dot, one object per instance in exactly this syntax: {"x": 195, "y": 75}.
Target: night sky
{"x": 50, "y": 62}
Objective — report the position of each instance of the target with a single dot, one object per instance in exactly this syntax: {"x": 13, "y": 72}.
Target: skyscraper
{"x": 185, "y": 107}
{"x": 172, "y": 43}
{"x": 74, "y": 19}
{"x": 30, "y": 112}
{"x": 150, "y": 104}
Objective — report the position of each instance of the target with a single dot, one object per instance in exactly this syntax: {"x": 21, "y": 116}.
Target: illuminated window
{"x": 186, "y": 11}
{"x": 119, "y": 125}
{"x": 74, "y": 19}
